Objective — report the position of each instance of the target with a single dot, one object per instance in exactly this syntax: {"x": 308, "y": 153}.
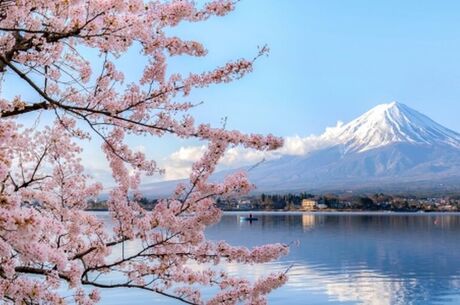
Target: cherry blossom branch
{"x": 128, "y": 285}
{"x": 44, "y": 229}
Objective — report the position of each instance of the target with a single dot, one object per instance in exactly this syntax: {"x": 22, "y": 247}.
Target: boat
{"x": 242, "y": 218}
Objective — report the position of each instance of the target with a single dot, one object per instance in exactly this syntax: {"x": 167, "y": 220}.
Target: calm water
{"x": 375, "y": 259}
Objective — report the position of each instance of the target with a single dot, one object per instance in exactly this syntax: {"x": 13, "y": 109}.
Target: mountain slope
{"x": 392, "y": 123}
{"x": 330, "y": 169}
{"x": 390, "y": 144}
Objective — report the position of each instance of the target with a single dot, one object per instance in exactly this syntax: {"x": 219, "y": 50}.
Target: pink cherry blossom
{"x": 44, "y": 229}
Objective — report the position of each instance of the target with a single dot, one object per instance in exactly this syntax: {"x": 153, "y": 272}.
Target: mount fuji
{"x": 388, "y": 124}
{"x": 389, "y": 148}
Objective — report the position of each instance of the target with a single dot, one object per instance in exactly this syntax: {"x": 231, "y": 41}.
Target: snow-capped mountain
{"x": 388, "y": 124}
{"x": 391, "y": 147}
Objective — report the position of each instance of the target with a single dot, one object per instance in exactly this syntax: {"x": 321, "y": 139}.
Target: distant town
{"x": 326, "y": 202}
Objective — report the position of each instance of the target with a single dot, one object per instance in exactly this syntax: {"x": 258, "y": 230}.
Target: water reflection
{"x": 378, "y": 259}
{"x": 308, "y": 221}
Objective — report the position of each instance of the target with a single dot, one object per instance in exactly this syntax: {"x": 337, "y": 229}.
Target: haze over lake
{"x": 345, "y": 258}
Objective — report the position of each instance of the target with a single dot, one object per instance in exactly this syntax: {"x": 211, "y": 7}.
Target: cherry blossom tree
{"x": 47, "y": 240}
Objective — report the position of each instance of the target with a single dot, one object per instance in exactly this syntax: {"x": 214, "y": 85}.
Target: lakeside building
{"x": 309, "y": 204}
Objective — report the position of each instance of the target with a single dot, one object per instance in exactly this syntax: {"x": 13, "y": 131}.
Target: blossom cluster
{"x": 44, "y": 228}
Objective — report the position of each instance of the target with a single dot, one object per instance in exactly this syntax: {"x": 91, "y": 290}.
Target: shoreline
{"x": 325, "y": 212}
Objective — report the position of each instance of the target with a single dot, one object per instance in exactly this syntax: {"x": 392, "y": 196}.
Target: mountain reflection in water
{"x": 372, "y": 259}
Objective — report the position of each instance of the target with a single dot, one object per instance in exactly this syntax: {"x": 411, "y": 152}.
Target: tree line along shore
{"x": 324, "y": 202}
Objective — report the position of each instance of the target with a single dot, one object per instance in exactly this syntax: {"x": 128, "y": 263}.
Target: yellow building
{"x": 308, "y": 204}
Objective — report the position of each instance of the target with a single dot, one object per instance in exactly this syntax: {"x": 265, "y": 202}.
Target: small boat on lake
{"x": 250, "y": 218}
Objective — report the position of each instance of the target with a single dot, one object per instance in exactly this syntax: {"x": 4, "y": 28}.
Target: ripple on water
{"x": 369, "y": 259}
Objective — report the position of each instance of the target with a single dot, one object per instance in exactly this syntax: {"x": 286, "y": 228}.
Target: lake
{"x": 345, "y": 258}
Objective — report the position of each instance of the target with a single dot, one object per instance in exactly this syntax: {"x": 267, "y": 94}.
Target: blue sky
{"x": 330, "y": 60}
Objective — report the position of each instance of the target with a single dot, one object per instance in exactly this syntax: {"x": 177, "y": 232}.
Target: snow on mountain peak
{"x": 391, "y": 123}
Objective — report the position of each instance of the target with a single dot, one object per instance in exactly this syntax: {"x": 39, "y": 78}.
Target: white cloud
{"x": 178, "y": 164}
{"x": 300, "y": 146}
{"x": 237, "y": 156}
{"x": 188, "y": 154}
